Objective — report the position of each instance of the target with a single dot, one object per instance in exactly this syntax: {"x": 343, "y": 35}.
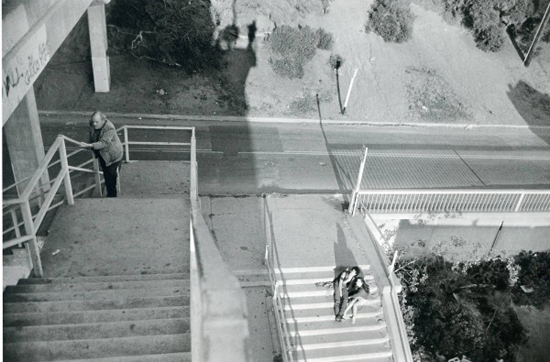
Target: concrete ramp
{"x": 118, "y": 237}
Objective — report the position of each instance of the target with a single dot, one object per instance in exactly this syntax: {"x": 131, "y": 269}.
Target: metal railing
{"x": 278, "y": 305}
{"x": 465, "y": 200}
{"x": 12, "y": 212}
{"x": 22, "y": 204}
{"x": 401, "y": 349}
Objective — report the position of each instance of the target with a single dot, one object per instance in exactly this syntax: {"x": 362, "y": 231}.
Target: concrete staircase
{"x": 98, "y": 318}
{"x": 315, "y": 335}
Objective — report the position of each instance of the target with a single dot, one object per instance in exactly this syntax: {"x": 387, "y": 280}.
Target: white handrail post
{"x": 15, "y": 224}
{"x": 97, "y": 177}
{"x": 193, "y": 183}
{"x": 520, "y": 201}
{"x": 33, "y": 245}
{"x": 352, "y": 207}
{"x": 126, "y": 145}
{"x": 66, "y": 172}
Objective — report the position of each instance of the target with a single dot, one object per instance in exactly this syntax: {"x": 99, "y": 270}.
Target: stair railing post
{"x": 352, "y": 205}
{"x": 97, "y": 177}
{"x": 520, "y": 201}
{"x": 126, "y": 145}
{"x": 193, "y": 190}
{"x": 66, "y": 171}
{"x": 33, "y": 244}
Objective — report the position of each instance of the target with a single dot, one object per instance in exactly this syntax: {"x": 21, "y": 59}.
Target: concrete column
{"x": 98, "y": 43}
{"x": 24, "y": 140}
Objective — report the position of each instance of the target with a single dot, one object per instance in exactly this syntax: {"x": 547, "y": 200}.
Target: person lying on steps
{"x": 358, "y": 292}
{"x": 341, "y": 285}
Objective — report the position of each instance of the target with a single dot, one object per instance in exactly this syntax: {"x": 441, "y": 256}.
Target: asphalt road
{"x": 240, "y": 158}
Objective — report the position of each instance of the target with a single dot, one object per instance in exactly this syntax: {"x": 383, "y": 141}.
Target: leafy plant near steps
{"x": 294, "y": 47}
{"x": 461, "y": 309}
{"x": 391, "y": 19}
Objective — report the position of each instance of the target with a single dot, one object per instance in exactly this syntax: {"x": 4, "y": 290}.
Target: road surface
{"x": 241, "y": 158}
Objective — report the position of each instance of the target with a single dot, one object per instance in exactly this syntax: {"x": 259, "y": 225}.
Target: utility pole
{"x": 537, "y": 37}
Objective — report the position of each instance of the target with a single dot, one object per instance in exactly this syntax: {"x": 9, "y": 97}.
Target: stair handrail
{"x": 271, "y": 264}
{"x": 12, "y": 206}
{"x": 390, "y": 298}
{"x": 31, "y": 226}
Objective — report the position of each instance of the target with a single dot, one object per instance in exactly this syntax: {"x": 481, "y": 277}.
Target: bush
{"x": 486, "y": 25}
{"x": 462, "y": 309}
{"x": 325, "y": 39}
{"x": 335, "y": 61}
{"x": 172, "y": 32}
{"x": 294, "y": 47}
{"x": 534, "y": 273}
{"x": 487, "y": 19}
{"x": 391, "y": 20}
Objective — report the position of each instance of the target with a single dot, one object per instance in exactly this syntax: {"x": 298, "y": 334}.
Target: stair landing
{"x": 118, "y": 236}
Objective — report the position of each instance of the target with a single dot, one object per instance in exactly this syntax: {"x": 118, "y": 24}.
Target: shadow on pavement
{"x": 533, "y": 106}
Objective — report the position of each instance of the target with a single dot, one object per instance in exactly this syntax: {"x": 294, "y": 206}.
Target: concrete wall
{"x": 31, "y": 33}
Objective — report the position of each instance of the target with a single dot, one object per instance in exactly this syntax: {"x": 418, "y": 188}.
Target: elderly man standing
{"x": 106, "y": 145}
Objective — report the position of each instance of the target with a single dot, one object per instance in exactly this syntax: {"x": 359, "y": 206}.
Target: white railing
{"x": 390, "y": 288}
{"x": 464, "y": 200}
{"x": 12, "y": 212}
{"x": 22, "y": 204}
{"x": 278, "y": 305}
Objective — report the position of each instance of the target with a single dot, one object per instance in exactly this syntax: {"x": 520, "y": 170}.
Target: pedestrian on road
{"x": 341, "y": 284}
{"x": 358, "y": 292}
{"x": 104, "y": 142}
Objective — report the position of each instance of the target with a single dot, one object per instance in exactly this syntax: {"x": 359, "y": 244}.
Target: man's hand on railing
{"x": 85, "y": 145}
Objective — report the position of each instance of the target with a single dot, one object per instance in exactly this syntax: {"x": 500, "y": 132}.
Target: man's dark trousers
{"x": 110, "y": 174}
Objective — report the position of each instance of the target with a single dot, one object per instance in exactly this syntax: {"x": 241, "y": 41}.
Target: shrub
{"x": 486, "y": 25}
{"x": 172, "y": 32}
{"x": 462, "y": 309}
{"x": 325, "y": 39}
{"x": 534, "y": 273}
{"x": 335, "y": 61}
{"x": 391, "y": 20}
{"x": 294, "y": 47}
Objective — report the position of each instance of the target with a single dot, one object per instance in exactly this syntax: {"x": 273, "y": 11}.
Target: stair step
{"x": 97, "y": 348}
{"x": 329, "y": 317}
{"x": 323, "y": 312}
{"x": 312, "y": 281}
{"x": 295, "y": 291}
{"x": 89, "y": 286}
{"x": 350, "y": 336}
{"x": 341, "y": 329}
{"x": 344, "y": 344}
{"x": 290, "y": 305}
{"x": 166, "y": 357}
{"x": 95, "y": 294}
{"x": 95, "y": 330}
{"x": 354, "y": 355}
{"x": 329, "y": 272}
{"x": 317, "y": 325}
{"x": 310, "y": 290}
{"x": 105, "y": 278}
{"x": 84, "y": 305}
{"x": 94, "y": 316}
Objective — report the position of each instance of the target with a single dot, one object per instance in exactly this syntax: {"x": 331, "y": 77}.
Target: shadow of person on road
{"x": 534, "y": 107}
{"x": 343, "y": 256}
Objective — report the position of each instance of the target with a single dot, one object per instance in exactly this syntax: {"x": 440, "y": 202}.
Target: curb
{"x": 260, "y": 120}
